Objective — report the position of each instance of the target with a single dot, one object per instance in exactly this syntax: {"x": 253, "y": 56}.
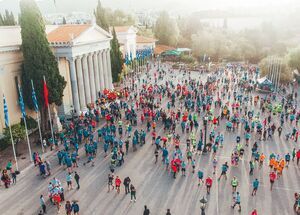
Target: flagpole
{"x": 38, "y": 121}
{"x": 25, "y": 123}
{"x": 28, "y": 143}
{"x": 7, "y": 123}
{"x": 13, "y": 145}
{"x": 50, "y": 119}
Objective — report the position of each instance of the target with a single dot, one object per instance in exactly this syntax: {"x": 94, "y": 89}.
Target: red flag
{"x": 46, "y": 93}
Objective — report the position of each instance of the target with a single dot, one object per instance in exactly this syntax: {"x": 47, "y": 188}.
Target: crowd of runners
{"x": 191, "y": 107}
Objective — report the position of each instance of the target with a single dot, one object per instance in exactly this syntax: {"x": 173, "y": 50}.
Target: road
{"x": 156, "y": 187}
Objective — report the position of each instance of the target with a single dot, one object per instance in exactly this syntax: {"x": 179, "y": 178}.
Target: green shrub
{"x": 31, "y": 123}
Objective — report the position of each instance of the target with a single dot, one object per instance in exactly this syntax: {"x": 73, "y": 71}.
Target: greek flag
{"x": 5, "y": 112}
{"x": 21, "y": 103}
{"x": 35, "y": 103}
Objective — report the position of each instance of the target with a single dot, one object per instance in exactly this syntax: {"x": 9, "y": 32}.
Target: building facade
{"x": 83, "y": 56}
{"x": 127, "y": 38}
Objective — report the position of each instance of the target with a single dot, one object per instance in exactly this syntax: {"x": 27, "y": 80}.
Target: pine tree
{"x": 7, "y": 19}
{"x": 39, "y": 60}
{"x": 101, "y": 17}
{"x": 116, "y": 58}
{"x": 1, "y": 20}
{"x": 64, "y": 21}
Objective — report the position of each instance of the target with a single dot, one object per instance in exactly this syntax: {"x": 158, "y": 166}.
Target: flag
{"x": 46, "y": 94}
{"x": 35, "y": 103}
{"x": 5, "y": 112}
{"x": 21, "y": 103}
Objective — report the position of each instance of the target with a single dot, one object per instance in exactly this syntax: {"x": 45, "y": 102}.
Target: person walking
{"x": 75, "y": 207}
{"x": 133, "y": 193}
{"x": 272, "y": 178}
{"x": 77, "y": 177}
{"x": 146, "y": 211}
{"x": 224, "y": 171}
{"x": 43, "y": 204}
{"x": 237, "y": 201}
{"x": 118, "y": 184}
{"x": 208, "y": 183}
{"x": 69, "y": 181}
{"x": 298, "y": 156}
{"x": 168, "y": 212}
{"x": 255, "y": 186}
{"x": 200, "y": 177}
{"x": 126, "y": 184}
{"x": 68, "y": 208}
{"x": 110, "y": 181}
{"x": 234, "y": 184}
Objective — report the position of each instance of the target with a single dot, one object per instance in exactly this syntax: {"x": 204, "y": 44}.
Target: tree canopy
{"x": 294, "y": 59}
{"x": 7, "y": 19}
{"x": 116, "y": 58}
{"x": 166, "y": 30}
{"x": 101, "y": 18}
{"x": 39, "y": 60}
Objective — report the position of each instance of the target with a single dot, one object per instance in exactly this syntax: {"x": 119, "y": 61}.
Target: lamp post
{"x": 205, "y": 120}
{"x": 203, "y": 202}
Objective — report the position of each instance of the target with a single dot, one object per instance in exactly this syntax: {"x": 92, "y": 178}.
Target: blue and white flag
{"x": 21, "y": 103}
{"x": 5, "y": 112}
{"x": 35, "y": 103}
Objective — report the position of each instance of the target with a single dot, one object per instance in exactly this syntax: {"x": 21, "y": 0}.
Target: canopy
{"x": 264, "y": 81}
{"x": 171, "y": 53}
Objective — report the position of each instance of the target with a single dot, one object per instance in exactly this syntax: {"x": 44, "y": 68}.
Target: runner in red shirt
{"x": 272, "y": 178}
{"x": 208, "y": 183}
{"x": 118, "y": 184}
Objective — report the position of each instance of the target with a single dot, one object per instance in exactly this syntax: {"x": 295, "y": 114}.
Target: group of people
{"x": 200, "y": 113}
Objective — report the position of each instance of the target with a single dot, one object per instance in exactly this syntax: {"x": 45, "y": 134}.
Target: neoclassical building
{"x": 83, "y": 56}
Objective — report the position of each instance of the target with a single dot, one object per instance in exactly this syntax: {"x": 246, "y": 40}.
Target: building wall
{"x": 64, "y": 71}
{"x": 10, "y": 69}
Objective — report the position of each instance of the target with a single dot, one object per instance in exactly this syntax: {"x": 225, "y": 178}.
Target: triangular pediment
{"x": 92, "y": 34}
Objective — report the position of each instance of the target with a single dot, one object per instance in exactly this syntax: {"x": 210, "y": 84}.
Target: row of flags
{"x": 140, "y": 55}
{"x": 21, "y": 102}
{"x": 23, "y": 112}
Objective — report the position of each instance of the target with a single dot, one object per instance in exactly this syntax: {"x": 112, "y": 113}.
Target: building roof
{"x": 66, "y": 33}
{"x": 121, "y": 28}
{"x": 124, "y": 29}
{"x": 142, "y": 39}
{"x": 162, "y": 48}
{"x": 58, "y": 35}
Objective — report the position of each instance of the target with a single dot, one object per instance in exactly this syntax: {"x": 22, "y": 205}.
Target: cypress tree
{"x": 116, "y": 58}
{"x": 100, "y": 17}
{"x": 1, "y": 20}
{"x": 39, "y": 60}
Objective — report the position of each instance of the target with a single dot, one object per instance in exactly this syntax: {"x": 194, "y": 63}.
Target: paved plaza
{"x": 156, "y": 187}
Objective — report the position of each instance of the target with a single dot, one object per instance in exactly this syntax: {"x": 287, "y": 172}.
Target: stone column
{"x": 80, "y": 83}
{"x": 73, "y": 78}
{"x": 86, "y": 79}
{"x": 101, "y": 71}
{"x": 92, "y": 77}
{"x": 105, "y": 69}
{"x": 97, "y": 73}
{"x": 109, "y": 70}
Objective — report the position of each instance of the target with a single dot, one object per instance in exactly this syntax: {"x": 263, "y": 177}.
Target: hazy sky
{"x": 47, "y": 6}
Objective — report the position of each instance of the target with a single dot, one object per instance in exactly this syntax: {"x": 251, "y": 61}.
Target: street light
{"x": 203, "y": 202}
{"x": 205, "y": 120}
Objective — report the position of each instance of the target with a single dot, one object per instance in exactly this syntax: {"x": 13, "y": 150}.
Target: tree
{"x": 7, "y": 19}
{"x": 64, "y": 21}
{"x": 286, "y": 74}
{"x": 116, "y": 58}
{"x": 39, "y": 60}
{"x": 101, "y": 17}
{"x": 18, "y": 134}
{"x": 166, "y": 30}
{"x": 294, "y": 59}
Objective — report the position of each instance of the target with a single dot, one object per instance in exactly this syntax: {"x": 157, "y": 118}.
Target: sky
{"x": 184, "y": 6}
